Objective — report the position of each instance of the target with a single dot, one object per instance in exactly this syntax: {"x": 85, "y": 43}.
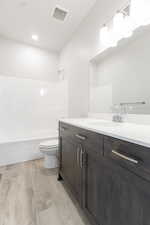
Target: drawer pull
{"x": 63, "y": 128}
{"x": 81, "y": 157}
{"x": 80, "y": 137}
{"x": 80, "y": 153}
{"x": 125, "y": 157}
{"x": 78, "y": 156}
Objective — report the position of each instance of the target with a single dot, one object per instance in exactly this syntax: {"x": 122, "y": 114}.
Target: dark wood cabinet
{"x": 126, "y": 197}
{"x": 110, "y": 178}
{"x": 70, "y": 164}
{"x": 94, "y": 188}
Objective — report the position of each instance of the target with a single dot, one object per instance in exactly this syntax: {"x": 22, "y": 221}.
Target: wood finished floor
{"x": 31, "y": 195}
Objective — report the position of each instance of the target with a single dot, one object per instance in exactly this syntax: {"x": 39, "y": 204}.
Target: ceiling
{"x": 20, "y": 19}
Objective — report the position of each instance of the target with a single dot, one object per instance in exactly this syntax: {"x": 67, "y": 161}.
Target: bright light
{"x": 128, "y": 27}
{"x": 124, "y": 25}
{"x": 35, "y": 37}
{"x": 43, "y": 92}
{"x": 118, "y": 26}
{"x": 104, "y": 36}
{"x": 113, "y": 41}
{"x": 107, "y": 37}
{"x": 140, "y": 12}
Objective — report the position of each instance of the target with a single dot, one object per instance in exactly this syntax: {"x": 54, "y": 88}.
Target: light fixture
{"x": 145, "y": 12}
{"x": 35, "y": 37}
{"x": 125, "y": 21}
{"x": 43, "y": 92}
{"x": 118, "y": 24}
{"x": 127, "y": 27}
{"x": 104, "y": 36}
{"x": 113, "y": 41}
{"x": 140, "y": 12}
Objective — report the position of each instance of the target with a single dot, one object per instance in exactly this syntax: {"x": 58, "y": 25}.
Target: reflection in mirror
{"x": 122, "y": 77}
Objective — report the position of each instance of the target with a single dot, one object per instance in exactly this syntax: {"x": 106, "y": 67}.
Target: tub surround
{"x": 15, "y": 149}
{"x": 130, "y": 132}
{"x": 47, "y": 134}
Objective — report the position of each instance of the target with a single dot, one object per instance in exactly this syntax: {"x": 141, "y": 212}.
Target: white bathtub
{"x": 15, "y": 149}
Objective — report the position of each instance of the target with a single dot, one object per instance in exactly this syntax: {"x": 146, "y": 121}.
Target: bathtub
{"x": 21, "y": 148}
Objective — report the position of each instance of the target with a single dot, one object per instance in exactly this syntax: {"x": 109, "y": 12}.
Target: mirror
{"x": 122, "y": 76}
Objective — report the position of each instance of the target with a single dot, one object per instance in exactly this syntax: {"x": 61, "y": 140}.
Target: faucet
{"x": 122, "y": 109}
{"x": 119, "y": 112}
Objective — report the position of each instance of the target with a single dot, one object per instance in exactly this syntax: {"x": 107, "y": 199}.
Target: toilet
{"x": 50, "y": 150}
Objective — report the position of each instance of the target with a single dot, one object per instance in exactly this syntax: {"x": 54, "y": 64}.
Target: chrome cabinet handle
{"x": 78, "y": 156}
{"x": 81, "y": 157}
{"x": 125, "y": 157}
{"x": 80, "y": 137}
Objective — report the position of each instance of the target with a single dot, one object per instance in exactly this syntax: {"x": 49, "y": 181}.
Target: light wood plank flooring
{"x": 31, "y": 195}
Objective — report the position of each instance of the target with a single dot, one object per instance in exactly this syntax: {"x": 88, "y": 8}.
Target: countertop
{"x": 134, "y": 133}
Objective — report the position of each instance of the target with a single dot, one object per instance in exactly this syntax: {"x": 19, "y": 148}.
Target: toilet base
{"x": 59, "y": 178}
{"x": 50, "y": 161}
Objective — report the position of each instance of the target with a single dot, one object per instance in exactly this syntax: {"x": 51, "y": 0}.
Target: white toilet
{"x": 50, "y": 150}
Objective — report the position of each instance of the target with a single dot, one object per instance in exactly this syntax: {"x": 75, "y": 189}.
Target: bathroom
{"x": 75, "y": 112}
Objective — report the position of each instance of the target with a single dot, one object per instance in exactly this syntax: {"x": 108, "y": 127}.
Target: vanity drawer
{"x": 67, "y": 131}
{"x": 134, "y": 157}
{"x": 92, "y": 141}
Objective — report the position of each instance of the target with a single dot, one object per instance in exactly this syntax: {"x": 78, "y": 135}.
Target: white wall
{"x": 83, "y": 46}
{"x": 25, "y": 72}
{"x": 25, "y": 61}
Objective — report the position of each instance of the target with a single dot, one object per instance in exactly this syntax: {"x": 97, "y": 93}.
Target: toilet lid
{"x": 49, "y": 150}
{"x": 49, "y": 144}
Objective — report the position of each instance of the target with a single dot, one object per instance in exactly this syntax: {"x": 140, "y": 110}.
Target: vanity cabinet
{"x": 126, "y": 197}
{"x": 127, "y": 188}
{"x": 70, "y": 161}
{"x": 94, "y": 188}
{"x": 110, "y": 178}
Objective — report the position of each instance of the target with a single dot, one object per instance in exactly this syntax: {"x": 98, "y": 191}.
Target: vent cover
{"x": 60, "y": 14}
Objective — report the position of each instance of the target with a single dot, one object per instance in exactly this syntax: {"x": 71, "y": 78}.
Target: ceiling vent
{"x": 60, "y": 14}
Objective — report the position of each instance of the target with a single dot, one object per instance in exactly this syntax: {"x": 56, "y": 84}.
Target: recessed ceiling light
{"x": 23, "y": 3}
{"x": 35, "y": 37}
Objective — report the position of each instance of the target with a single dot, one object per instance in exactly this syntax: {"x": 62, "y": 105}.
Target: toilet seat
{"x": 49, "y": 144}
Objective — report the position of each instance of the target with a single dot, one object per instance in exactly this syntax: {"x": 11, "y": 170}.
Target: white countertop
{"x": 138, "y": 134}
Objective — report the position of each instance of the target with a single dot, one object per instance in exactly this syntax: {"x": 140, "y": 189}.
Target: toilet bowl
{"x": 50, "y": 150}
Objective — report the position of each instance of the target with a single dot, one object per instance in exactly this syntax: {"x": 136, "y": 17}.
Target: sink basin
{"x": 103, "y": 123}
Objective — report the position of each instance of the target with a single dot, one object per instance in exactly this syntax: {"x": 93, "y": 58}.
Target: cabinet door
{"x": 114, "y": 195}
{"x": 94, "y": 187}
{"x": 70, "y": 166}
{"x": 126, "y": 197}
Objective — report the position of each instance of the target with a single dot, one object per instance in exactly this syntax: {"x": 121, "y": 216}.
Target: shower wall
{"x": 33, "y": 95}
{"x": 30, "y": 107}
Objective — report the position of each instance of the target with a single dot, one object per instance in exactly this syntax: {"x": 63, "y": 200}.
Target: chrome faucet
{"x": 122, "y": 109}
{"x": 119, "y": 112}
{"x": 132, "y": 103}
